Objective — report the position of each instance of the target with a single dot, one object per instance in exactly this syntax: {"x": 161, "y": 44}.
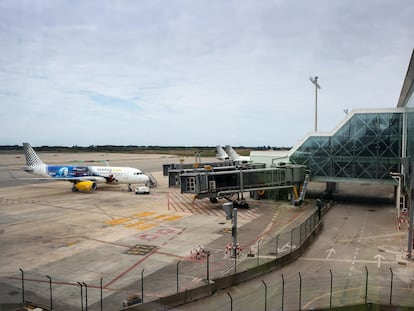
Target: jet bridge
{"x": 224, "y": 184}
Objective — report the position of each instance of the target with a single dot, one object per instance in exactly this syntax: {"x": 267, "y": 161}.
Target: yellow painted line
{"x": 172, "y": 218}
{"x": 117, "y": 221}
{"x": 135, "y": 224}
{"x": 145, "y": 226}
{"x": 71, "y": 243}
{"x": 160, "y": 216}
{"x": 144, "y": 214}
{"x": 140, "y": 223}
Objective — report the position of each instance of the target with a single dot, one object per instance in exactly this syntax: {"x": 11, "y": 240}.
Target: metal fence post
{"x": 231, "y": 301}
{"x": 86, "y": 295}
{"x": 142, "y": 285}
{"x": 283, "y": 291}
{"x": 306, "y": 228}
{"x": 392, "y": 277}
{"x": 50, "y": 292}
{"x": 258, "y": 251}
{"x": 81, "y": 287}
{"x": 22, "y": 285}
{"x": 312, "y": 222}
{"x": 277, "y": 244}
{"x": 366, "y": 285}
{"x": 101, "y": 296}
{"x": 177, "y": 276}
{"x": 330, "y": 294}
{"x": 300, "y": 291}
{"x": 265, "y": 294}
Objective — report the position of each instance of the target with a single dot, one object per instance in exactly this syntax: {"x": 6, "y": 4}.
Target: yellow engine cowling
{"x": 85, "y": 186}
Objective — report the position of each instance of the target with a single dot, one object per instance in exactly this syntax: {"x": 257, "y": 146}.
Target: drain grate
{"x": 140, "y": 250}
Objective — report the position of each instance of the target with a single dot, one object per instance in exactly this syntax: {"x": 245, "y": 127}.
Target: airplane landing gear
{"x": 241, "y": 204}
{"x": 129, "y": 188}
{"x": 213, "y": 200}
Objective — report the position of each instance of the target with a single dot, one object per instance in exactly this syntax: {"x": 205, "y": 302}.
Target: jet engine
{"x": 84, "y": 186}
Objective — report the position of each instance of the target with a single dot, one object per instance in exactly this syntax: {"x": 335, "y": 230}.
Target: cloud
{"x": 195, "y": 73}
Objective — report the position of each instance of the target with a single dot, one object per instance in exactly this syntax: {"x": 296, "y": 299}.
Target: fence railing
{"x": 327, "y": 289}
{"x": 186, "y": 280}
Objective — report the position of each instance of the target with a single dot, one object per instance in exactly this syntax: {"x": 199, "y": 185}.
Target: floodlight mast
{"x": 314, "y": 80}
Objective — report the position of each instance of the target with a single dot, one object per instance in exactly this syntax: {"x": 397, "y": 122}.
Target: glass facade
{"x": 410, "y": 133}
{"x": 368, "y": 146}
{"x": 406, "y": 101}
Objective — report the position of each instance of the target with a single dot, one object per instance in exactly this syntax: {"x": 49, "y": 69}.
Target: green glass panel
{"x": 367, "y": 146}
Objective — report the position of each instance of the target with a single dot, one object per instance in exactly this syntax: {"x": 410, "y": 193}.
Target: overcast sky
{"x": 195, "y": 72}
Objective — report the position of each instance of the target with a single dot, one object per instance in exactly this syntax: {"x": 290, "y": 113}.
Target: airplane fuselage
{"x": 114, "y": 174}
{"x": 99, "y": 174}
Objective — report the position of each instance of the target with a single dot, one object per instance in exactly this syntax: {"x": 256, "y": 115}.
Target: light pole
{"x": 314, "y": 80}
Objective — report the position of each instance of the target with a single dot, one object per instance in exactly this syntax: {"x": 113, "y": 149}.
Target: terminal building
{"x": 374, "y": 146}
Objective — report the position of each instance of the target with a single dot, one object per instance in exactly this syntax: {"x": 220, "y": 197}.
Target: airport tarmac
{"x": 81, "y": 242}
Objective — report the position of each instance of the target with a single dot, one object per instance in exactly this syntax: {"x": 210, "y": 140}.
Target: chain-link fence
{"x": 308, "y": 291}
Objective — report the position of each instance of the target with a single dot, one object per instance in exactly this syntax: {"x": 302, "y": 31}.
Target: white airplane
{"x": 234, "y": 156}
{"x": 84, "y": 178}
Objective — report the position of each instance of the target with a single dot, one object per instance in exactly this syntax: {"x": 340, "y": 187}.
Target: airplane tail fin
{"x": 32, "y": 159}
{"x": 221, "y": 154}
{"x": 232, "y": 154}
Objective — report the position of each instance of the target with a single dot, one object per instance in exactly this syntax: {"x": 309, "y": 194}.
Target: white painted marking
{"x": 330, "y": 251}
{"x": 284, "y": 248}
{"x": 379, "y": 257}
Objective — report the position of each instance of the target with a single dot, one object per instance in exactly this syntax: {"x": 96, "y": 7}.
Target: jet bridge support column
{"x": 234, "y": 232}
{"x": 331, "y": 187}
{"x": 231, "y": 213}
